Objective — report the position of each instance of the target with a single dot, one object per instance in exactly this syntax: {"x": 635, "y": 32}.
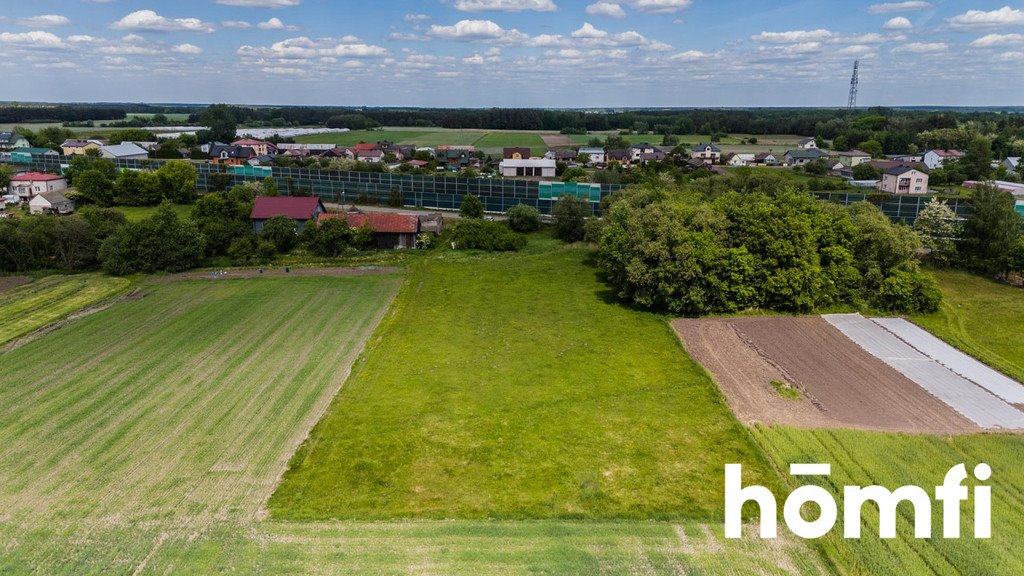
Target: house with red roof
{"x": 301, "y": 209}
{"x": 27, "y": 186}
{"x": 391, "y": 231}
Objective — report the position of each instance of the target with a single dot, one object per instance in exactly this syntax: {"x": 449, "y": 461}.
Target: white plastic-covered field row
{"x": 974, "y": 400}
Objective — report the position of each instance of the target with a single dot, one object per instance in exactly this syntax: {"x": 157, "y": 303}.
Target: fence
{"x": 440, "y": 192}
{"x": 898, "y": 208}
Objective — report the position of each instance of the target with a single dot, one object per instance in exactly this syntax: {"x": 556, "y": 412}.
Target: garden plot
{"x": 842, "y": 385}
{"x": 995, "y": 382}
{"x": 977, "y": 404}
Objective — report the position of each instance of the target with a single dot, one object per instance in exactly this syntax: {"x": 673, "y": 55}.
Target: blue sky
{"x": 543, "y": 53}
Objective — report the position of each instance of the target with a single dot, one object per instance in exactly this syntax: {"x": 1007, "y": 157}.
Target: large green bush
{"x": 523, "y": 218}
{"x": 476, "y": 234}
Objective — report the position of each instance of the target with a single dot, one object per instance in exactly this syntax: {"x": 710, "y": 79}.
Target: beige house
{"x": 79, "y": 147}
{"x": 904, "y": 180}
{"x": 854, "y": 158}
{"x": 707, "y": 152}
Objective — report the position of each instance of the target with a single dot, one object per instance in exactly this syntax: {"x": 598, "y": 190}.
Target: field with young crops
{"x": 47, "y": 300}
{"x": 893, "y": 460}
{"x": 490, "y": 141}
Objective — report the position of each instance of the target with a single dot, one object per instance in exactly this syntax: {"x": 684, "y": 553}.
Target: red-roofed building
{"x": 366, "y": 147}
{"x": 390, "y": 230}
{"x": 27, "y": 186}
{"x": 301, "y": 209}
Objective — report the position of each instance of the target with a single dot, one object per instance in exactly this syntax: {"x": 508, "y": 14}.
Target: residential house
{"x": 765, "y": 159}
{"x": 391, "y": 231}
{"x": 417, "y": 163}
{"x": 636, "y": 151}
{"x": 73, "y": 147}
{"x": 371, "y": 156}
{"x": 300, "y": 209}
{"x": 10, "y": 141}
{"x": 516, "y": 153}
{"x": 261, "y": 147}
{"x": 808, "y": 144}
{"x": 937, "y": 158}
{"x": 453, "y": 159}
{"x": 655, "y": 156}
{"x": 27, "y": 186}
{"x": 707, "y": 152}
{"x": 1012, "y": 163}
{"x": 51, "y": 203}
{"x": 264, "y": 160}
{"x": 561, "y": 155}
{"x": 622, "y": 156}
{"x": 231, "y": 155}
{"x": 528, "y": 168}
{"x": 738, "y": 160}
{"x": 904, "y": 180}
{"x": 124, "y": 151}
{"x": 907, "y": 158}
{"x": 597, "y": 155}
{"x": 802, "y": 156}
{"x": 852, "y": 158}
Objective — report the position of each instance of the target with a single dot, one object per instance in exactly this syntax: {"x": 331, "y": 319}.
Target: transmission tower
{"x": 854, "y": 86}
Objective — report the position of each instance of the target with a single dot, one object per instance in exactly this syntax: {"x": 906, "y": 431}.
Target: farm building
{"x": 300, "y": 209}
{"x": 25, "y": 186}
{"x": 51, "y": 203}
{"x": 390, "y": 231}
{"x": 529, "y": 168}
{"x": 24, "y": 155}
{"x": 124, "y": 151}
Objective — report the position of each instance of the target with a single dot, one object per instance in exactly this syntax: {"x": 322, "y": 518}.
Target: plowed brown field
{"x": 842, "y": 385}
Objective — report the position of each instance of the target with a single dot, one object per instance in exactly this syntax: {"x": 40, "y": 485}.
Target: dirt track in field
{"x": 12, "y": 282}
{"x": 276, "y": 273}
{"x": 843, "y": 386}
{"x": 556, "y": 140}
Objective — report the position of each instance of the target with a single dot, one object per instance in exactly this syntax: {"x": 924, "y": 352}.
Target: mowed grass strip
{"x": 895, "y": 460}
{"x": 40, "y": 303}
{"x": 514, "y": 386}
{"x": 982, "y": 318}
{"x": 183, "y": 406}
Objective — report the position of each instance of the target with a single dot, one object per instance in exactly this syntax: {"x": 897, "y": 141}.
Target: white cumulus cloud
{"x": 609, "y": 9}
{"x": 505, "y": 5}
{"x": 150, "y": 20}
{"x": 1001, "y": 18}
{"x": 910, "y": 6}
{"x": 898, "y": 23}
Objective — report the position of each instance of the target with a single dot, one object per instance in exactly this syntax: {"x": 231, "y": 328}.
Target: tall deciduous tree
{"x": 990, "y": 231}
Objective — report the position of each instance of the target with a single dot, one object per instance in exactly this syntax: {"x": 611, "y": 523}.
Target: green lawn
{"x": 981, "y": 317}
{"x": 513, "y": 386}
{"x": 137, "y": 213}
{"x": 892, "y": 461}
{"x": 47, "y": 300}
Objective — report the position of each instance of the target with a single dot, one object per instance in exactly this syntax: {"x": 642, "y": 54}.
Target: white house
{"x": 741, "y": 159}
{"x": 10, "y": 141}
{"x": 596, "y": 154}
{"x": 51, "y": 203}
{"x": 26, "y": 186}
{"x": 124, "y": 151}
{"x": 637, "y": 151}
{"x": 808, "y": 144}
{"x": 528, "y": 168}
{"x": 1012, "y": 163}
{"x": 937, "y": 158}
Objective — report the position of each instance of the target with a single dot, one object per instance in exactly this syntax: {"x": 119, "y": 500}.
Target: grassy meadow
{"x": 981, "y": 317}
{"x": 138, "y": 213}
{"x": 47, "y": 300}
{"x": 515, "y": 387}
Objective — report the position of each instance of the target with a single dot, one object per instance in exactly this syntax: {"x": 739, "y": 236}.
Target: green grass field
{"x": 981, "y": 317}
{"x": 137, "y": 213}
{"x": 892, "y": 460}
{"x": 490, "y": 141}
{"x": 47, "y": 300}
{"x": 514, "y": 387}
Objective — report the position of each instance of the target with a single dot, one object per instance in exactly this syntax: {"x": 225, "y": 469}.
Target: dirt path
{"x": 12, "y": 282}
{"x": 276, "y": 273}
{"x": 844, "y": 386}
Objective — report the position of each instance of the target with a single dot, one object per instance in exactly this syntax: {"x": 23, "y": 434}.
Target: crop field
{"x": 37, "y": 304}
{"x": 162, "y": 417}
{"x": 894, "y": 460}
{"x": 511, "y": 387}
{"x": 844, "y": 386}
{"x": 490, "y": 141}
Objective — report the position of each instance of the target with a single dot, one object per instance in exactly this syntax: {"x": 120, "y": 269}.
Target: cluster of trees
{"x": 60, "y": 113}
{"x": 693, "y": 253}
{"x": 47, "y": 242}
{"x": 98, "y": 182}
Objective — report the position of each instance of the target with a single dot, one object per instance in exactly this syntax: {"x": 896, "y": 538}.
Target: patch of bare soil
{"x": 843, "y": 386}
{"x": 12, "y": 282}
{"x": 275, "y": 273}
{"x": 556, "y": 140}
